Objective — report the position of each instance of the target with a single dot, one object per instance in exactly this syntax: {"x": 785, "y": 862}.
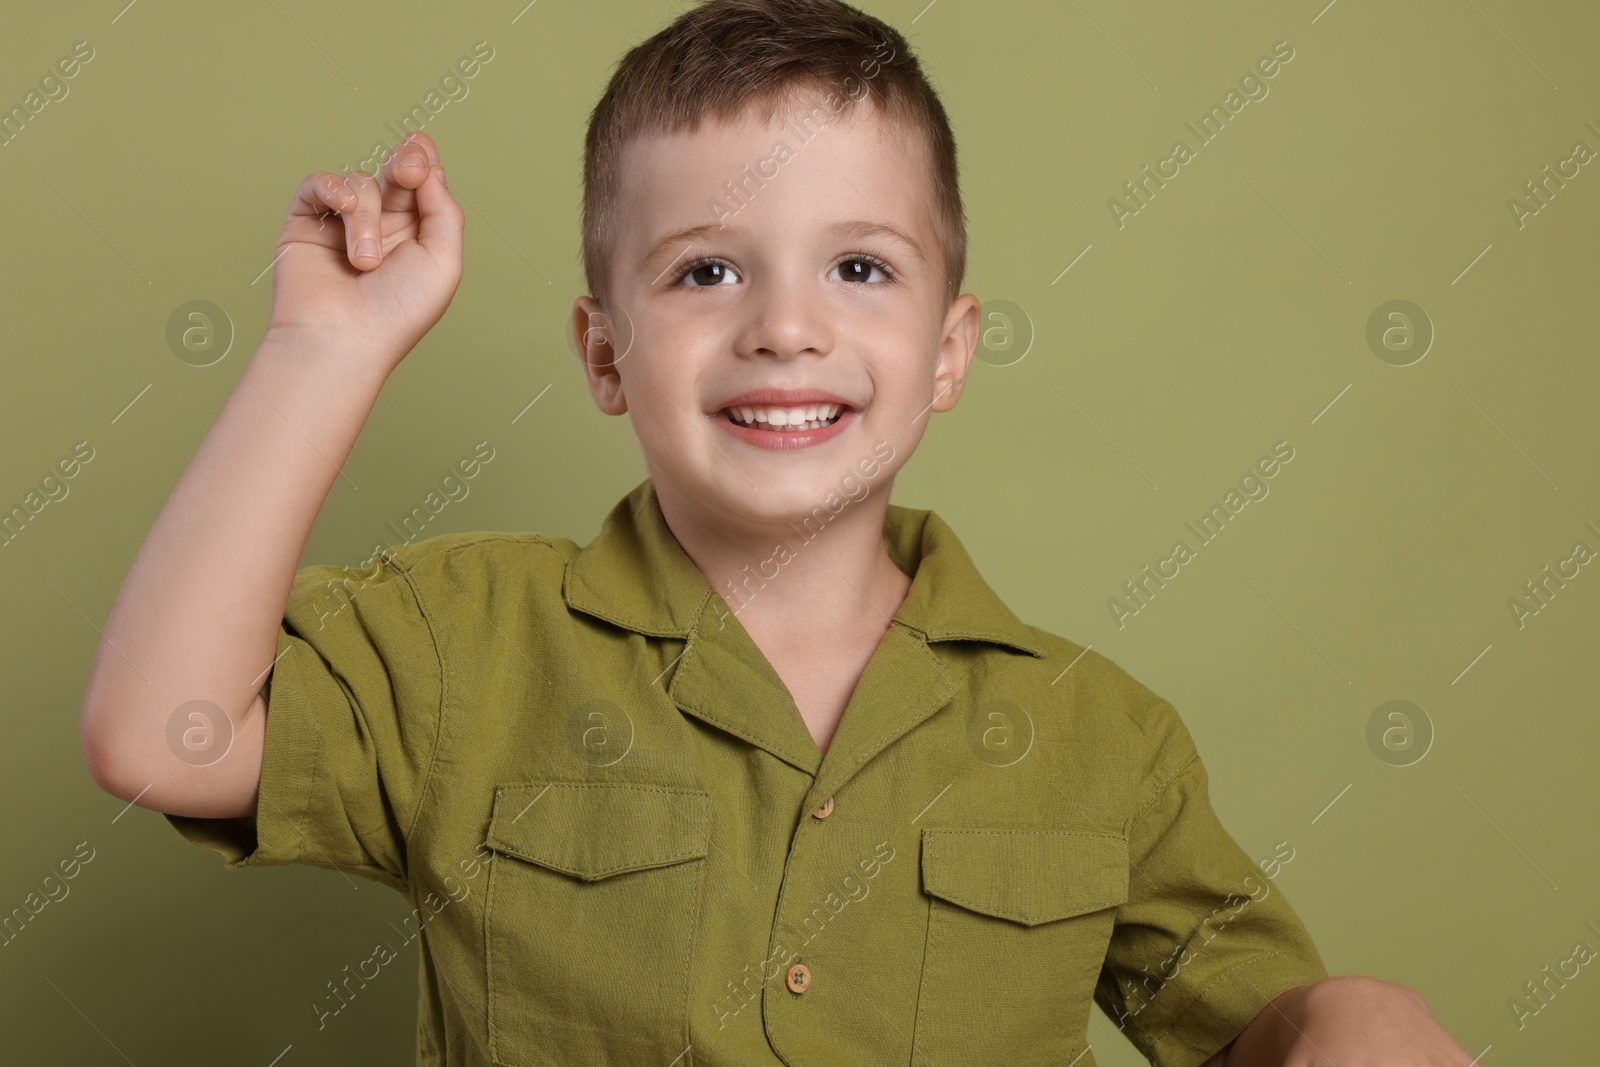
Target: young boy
{"x": 766, "y": 773}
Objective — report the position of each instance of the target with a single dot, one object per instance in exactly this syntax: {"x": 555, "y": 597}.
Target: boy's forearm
{"x": 197, "y": 616}
{"x": 1344, "y": 1019}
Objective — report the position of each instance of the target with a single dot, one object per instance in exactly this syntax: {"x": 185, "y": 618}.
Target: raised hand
{"x": 372, "y": 262}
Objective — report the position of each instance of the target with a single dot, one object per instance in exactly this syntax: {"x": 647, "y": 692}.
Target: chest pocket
{"x": 1018, "y": 924}
{"x": 590, "y": 920}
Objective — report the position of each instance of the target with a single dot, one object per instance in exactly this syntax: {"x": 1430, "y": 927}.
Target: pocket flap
{"x": 597, "y": 829}
{"x": 1027, "y": 876}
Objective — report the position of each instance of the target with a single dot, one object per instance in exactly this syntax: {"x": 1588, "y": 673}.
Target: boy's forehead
{"x": 806, "y": 167}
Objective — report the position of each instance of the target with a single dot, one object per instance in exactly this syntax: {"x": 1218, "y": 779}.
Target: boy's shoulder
{"x": 437, "y": 575}
{"x": 1106, "y": 700}
{"x": 485, "y": 543}
{"x": 498, "y": 553}
{"x": 1102, "y": 678}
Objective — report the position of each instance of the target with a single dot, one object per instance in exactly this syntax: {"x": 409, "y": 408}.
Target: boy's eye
{"x": 710, "y": 273}
{"x": 860, "y": 268}
{"x": 707, "y": 275}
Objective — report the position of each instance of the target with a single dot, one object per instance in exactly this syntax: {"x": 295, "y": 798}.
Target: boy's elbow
{"x": 131, "y": 757}
{"x": 105, "y": 759}
{"x": 119, "y": 761}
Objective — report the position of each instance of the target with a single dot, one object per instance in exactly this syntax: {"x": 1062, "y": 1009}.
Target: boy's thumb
{"x": 441, "y": 219}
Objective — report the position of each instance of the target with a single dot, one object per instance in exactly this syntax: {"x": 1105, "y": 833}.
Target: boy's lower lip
{"x": 786, "y": 440}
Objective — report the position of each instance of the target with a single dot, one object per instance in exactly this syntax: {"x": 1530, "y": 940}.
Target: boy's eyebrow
{"x": 861, "y": 229}
{"x": 855, "y": 228}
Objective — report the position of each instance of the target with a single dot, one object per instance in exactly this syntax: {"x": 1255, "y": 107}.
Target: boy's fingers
{"x": 425, "y": 143}
{"x": 315, "y": 213}
{"x": 410, "y": 179}
{"x": 363, "y": 234}
{"x": 442, "y": 220}
{"x": 404, "y": 169}
{"x": 321, "y": 193}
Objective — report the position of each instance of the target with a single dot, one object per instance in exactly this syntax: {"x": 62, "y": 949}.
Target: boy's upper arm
{"x": 352, "y": 718}
{"x": 1205, "y": 938}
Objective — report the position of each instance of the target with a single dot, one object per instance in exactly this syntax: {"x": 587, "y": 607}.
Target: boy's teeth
{"x": 799, "y": 417}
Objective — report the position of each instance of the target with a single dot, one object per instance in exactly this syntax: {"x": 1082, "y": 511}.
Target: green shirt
{"x": 622, "y": 845}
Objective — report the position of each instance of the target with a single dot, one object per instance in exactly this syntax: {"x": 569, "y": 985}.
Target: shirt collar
{"x": 636, "y": 575}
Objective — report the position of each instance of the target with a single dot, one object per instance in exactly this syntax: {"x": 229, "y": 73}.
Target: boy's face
{"x": 786, "y": 290}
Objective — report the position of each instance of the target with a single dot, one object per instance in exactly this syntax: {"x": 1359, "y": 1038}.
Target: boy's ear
{"x": 959, "y": 342}
{"x": 595, "y": 338}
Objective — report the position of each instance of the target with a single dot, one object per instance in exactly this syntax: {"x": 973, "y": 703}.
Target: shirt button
{"x": 824, "y": 811}
{"x": 798, "y": 978}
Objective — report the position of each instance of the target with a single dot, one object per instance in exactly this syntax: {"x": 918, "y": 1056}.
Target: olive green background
{"x": 1230, "y": 313}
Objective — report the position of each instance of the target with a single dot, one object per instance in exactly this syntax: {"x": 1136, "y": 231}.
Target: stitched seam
{"x": 786, "y": 882}
{"x": 896, "y": 731}
{"x": 311, "y": 793}
{"x": 688, "y": 953}
{"x": 655, "y": 861}
{"x": 438, "y": 728}
{"x": 473, "y": 540}
{"x": 626, "y": 624}
{"x": 922, "y": 981}
{"x": 1162, "y": 788}
{"x": 444, "y": 681}
{"x": 990, "y": 636}
{"x": 488, "y": 961}
{"x": 300, "y": 854}
{"x": 1031, "y": 833}
{"x": 661, "y": 861}
{"x": 1166, "y": 1037}
{"x": 528, "y": 783}
{"x": 1009, "y": 913}
{"x": 739, "y": 728}
{"x": 987, "y": 908}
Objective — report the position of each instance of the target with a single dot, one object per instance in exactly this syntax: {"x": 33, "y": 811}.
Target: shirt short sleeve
{"x": 1205, "y": 938}
{"x": 353, "y": 713}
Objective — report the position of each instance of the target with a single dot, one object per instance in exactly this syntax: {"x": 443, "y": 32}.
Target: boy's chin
{"x": 730, "y": 498}
{"x": 797, "y": 489}
{"x": 816, "y": 497}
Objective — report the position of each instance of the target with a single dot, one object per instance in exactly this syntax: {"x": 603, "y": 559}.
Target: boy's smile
{"x": 788, "y": 306}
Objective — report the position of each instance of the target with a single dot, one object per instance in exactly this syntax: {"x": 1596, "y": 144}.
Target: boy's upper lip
{"x": 770, "y": 397}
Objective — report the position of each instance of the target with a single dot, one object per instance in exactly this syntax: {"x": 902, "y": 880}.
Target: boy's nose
{"x": 786, "y": 321}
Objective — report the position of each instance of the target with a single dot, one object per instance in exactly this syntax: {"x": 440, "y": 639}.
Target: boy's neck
{"x": 801, "y": 584}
